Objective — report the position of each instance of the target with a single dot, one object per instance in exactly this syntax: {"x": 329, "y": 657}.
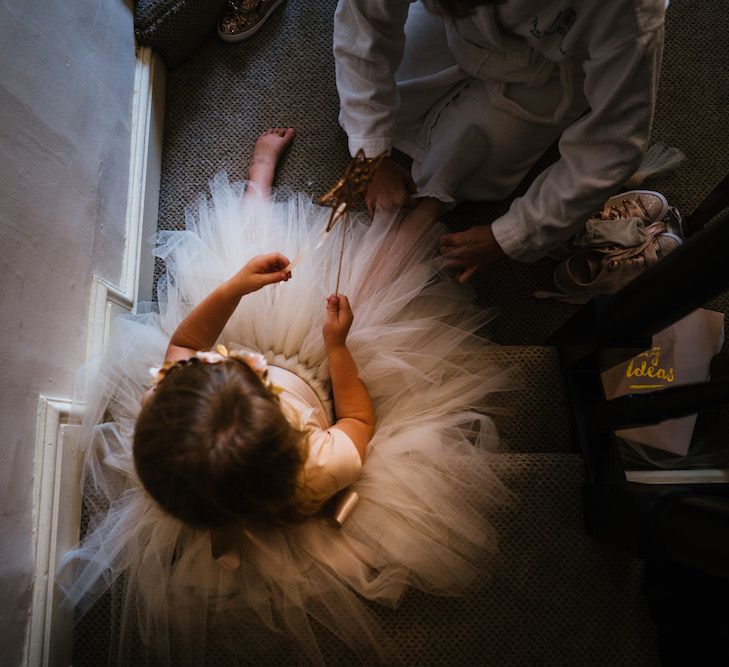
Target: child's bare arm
{"x": 352, "y": 404}
{"x": 201, "y": 328}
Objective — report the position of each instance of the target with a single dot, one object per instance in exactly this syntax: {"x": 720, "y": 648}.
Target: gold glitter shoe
{"x": 244, "y": 18}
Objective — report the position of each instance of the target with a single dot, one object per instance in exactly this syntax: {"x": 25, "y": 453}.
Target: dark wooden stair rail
{"x": 686, "y": 523}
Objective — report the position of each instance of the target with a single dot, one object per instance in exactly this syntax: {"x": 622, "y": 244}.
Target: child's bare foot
{"x": 266, "y": 154}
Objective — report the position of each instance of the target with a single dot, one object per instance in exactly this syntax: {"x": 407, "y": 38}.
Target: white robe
{"x": 476, "y": 102}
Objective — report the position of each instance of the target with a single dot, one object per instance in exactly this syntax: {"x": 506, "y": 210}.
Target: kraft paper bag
{"x": 680, "y": 354}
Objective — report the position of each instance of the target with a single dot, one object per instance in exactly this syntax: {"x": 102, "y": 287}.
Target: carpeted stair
{"x": 555, "y": 597}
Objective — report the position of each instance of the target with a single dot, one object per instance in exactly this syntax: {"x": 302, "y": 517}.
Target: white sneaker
{"x": 645, "y": 205}
{"x": 603, "y": 270}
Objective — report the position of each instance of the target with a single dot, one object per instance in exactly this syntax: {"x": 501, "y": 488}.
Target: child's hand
{"x": 260, "y": 271}
{"x": 339, "y": 319}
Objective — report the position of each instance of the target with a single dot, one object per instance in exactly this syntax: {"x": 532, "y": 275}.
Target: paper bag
{"x": 679, "y": 355}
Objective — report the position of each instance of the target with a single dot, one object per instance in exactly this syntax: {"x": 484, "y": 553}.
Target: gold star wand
{"x": 348, "y": 190}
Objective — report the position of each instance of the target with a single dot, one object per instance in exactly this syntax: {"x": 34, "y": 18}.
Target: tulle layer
{"x": 426, "y": 487}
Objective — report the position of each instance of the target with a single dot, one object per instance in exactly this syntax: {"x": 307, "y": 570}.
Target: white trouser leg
{"x": 463, "y": 147}
{"x": 427, "y": 74}
{"x": 475, "y": 152}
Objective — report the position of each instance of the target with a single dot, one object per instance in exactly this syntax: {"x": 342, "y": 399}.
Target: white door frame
{"x": 57, "y": 467}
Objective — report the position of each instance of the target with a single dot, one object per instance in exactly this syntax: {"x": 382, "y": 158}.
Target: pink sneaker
{"x": 645, "y": 205}
{"x": 603, "y": 270}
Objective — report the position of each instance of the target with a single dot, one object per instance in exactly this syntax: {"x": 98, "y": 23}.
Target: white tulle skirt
{"x": 426, "y": 488}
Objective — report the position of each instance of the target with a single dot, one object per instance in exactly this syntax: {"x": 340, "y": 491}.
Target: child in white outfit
{"x": 476, "y": 91}
{"x": 216, "y": 488}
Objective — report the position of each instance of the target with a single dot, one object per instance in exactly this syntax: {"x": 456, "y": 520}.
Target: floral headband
{"x": 254, "y": 360}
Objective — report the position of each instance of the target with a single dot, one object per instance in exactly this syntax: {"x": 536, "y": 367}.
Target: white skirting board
{"x": 57, "y": 470}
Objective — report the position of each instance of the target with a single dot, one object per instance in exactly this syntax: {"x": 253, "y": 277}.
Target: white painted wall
{"x": 66, "y": 84}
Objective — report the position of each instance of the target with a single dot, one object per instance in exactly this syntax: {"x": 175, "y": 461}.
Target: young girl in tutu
{"x": 218, "y": 497}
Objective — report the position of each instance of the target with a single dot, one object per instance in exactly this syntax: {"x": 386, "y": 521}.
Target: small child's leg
{"x": 407, "y": 237}
{"x": 410, "y": 232}
{"x": 269, "y": 148}
{"x": 427, "y": 211}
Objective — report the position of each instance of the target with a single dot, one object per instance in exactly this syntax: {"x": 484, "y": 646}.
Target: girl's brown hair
{"x": 213, "y": 448}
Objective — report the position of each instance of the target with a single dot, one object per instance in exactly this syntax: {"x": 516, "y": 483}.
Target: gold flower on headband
{"x": 254, "y": 360}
